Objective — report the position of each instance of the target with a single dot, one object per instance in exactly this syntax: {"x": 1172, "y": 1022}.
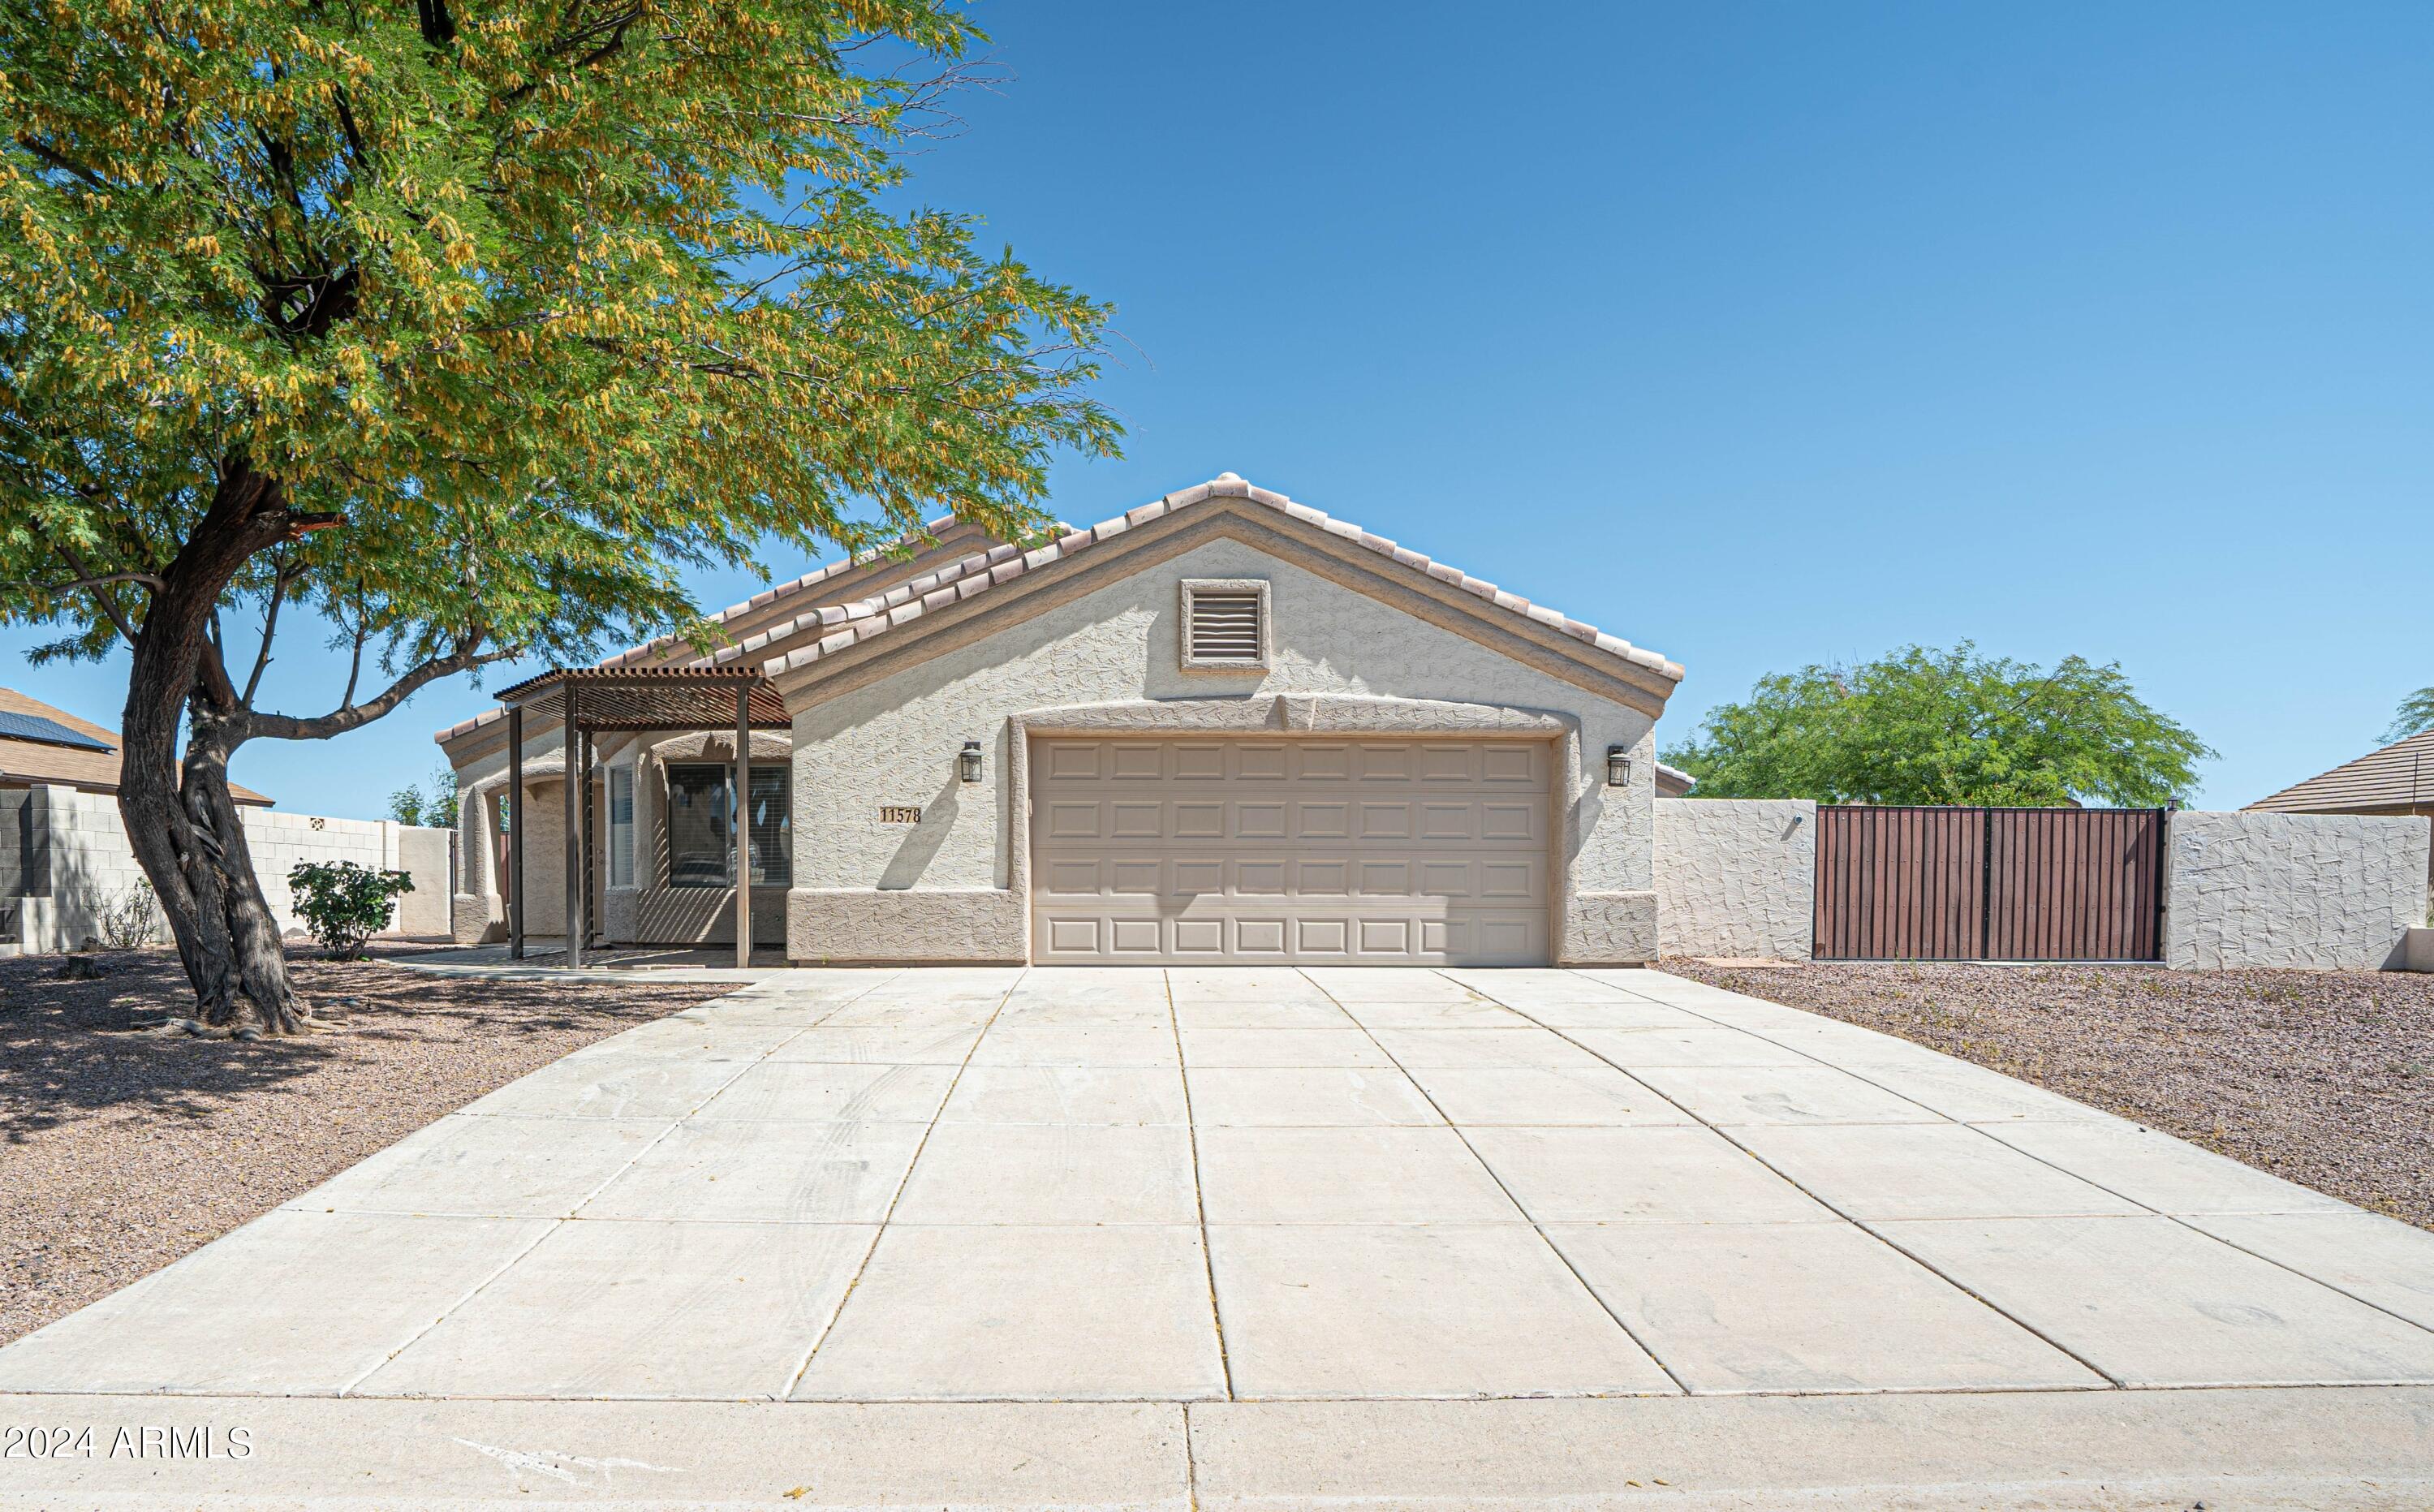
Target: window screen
{"x": 620, "y": 826}
{"x": 697, "y": 828}
{"x": 699, "y": 851}
{"x": 772, "y": 848}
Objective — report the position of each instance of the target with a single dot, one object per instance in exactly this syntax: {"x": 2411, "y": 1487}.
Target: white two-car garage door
{"x": 1385, "y": 853}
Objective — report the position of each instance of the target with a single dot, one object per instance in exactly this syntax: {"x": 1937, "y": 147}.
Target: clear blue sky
{"x": 1759, "y": 335}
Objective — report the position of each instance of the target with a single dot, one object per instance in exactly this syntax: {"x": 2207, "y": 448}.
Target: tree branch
{"x": 71, "y": 584}
{"x": 213, "y": 680}
{"x": 108, "y": 605}
{"x": 355, "y": 663}
{"x": 438, "y": 26}
{"x": 281, "y": 574}
{"x": 65, "y": 163}
{"x": 355, "y": 717}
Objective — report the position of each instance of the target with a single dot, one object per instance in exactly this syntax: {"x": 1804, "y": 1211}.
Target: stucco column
{"x": 468, "y": 907}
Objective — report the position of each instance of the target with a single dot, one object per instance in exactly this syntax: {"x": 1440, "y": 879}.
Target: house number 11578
{"x": 898, "y": 814}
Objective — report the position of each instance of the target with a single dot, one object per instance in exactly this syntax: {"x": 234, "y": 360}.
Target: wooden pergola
{"x": 592, "y": 699}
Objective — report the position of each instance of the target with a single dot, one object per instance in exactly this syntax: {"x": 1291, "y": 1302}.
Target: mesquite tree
{"x": 455, "y": 330}
{"x": 1923, "y": 726}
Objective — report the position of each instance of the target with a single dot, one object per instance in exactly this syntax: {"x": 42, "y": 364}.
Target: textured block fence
{"x": 67, "y": 859}
{"x": 2336, "y": 892}
{"x": 1737, "y": 878}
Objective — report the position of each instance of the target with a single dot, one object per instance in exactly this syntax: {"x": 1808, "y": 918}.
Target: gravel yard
{"x": 122, "y": 1151}
{"x": 2321, "y": 1077}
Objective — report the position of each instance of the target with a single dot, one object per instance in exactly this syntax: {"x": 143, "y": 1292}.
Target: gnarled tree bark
{"x": 180, "y": 819}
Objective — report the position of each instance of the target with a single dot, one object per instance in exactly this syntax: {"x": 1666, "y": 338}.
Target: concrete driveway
{"x": 1383, "y": 1206}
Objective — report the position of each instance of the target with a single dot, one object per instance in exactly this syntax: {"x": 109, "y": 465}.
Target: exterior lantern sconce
{"x": 1617, "y": 766}
{"x": 970, "y": 761}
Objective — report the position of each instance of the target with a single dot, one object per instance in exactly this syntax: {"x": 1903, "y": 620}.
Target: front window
{"x": 700, "y": 852}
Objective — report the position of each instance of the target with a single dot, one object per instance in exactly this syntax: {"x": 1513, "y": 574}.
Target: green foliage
{"x": 344, "y": 904}
{"x": 2414, "y": 716}
{"x": 1923, "y": 726}
{"x": 543, "y": 300}
{"x": 411, "y": 805}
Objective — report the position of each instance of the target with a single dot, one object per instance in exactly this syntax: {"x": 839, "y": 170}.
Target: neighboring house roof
{"x": 794, "y": 645}
{"x": 2399, "y": 777}
{"x": 1671, "y": 782}
{"x": 71, "y": 753}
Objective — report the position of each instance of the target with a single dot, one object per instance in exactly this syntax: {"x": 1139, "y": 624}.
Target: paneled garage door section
{"x": 1383, "y": 852}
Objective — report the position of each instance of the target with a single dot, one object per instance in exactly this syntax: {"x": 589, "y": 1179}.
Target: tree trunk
{"x": 182, "y": 825}
{"x": 260, "y": 958}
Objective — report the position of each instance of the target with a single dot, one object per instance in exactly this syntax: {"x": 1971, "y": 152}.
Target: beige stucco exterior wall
{"x": 2294, "y": 889}
{"x": 1737, "y": 877}
{"x": 946, "y": 889}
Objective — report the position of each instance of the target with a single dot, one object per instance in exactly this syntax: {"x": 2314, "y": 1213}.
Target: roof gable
{"x": 910, "y": 599}
{"x": 798, "y": 646}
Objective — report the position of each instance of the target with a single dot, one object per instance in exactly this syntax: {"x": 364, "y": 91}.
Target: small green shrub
{"x": 344, "y": 904}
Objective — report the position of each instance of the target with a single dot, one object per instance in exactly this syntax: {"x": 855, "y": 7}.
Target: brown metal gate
{"x": 1989, "y": 885}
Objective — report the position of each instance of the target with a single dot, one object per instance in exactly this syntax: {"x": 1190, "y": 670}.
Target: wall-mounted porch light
{"x": 970, "y": 761}
{"x": 1617, "y": 766}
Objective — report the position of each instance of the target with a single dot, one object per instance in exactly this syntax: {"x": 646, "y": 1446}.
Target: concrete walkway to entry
{"x": 1354, "y": 1190}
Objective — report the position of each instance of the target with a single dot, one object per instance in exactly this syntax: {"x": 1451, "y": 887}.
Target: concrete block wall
{"x": 2331, "y": 892}
{"x": 1737, "y": 877}
{"x": 423, "y": 853}
{"x": 280, "y": 841}
{"x": 91, "y": 865}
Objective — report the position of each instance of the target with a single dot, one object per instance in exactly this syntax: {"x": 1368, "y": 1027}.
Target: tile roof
{"x": 840, "y": 626}
{"x": 835, "y": 627}
{"x": 97, "y": 771}
{"x": 809, "y": 581}
{"x": 668, "y": 648}
{"x": 2399, "y": 776}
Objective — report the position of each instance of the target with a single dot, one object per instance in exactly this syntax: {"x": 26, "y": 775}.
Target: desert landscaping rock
{"x": 2326, "y": 1078}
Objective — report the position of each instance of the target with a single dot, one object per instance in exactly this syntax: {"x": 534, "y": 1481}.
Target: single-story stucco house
{"x": 1220, "y": 727}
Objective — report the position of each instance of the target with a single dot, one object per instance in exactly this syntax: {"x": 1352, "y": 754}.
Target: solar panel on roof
{"x": 49, "y": 731}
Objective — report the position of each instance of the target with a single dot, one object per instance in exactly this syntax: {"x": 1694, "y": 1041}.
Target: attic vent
{"x": 1226, "y": 626}
{"x": 1225, "y": 623}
